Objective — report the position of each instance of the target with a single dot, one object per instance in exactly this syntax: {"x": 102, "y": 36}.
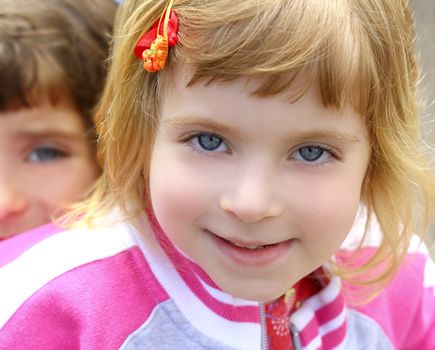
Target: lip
{"x": 248, "y": 257}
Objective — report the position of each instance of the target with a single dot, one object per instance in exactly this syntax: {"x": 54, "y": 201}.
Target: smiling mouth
{"x": 244, "y": 245}
{"x": 254, "y": 253}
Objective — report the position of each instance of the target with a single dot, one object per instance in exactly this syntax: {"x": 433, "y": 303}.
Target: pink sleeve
{"x": 93, "y": 306}
{"x": 405, "y": 309}
{"x": 421, "y": 334}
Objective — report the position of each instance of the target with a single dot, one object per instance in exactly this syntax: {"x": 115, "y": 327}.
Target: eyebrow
{"x": 201, "y": 123}
{"x": 322, "y": 134}
{"x": 51, "y": 133}
{"x": 329, "y": 134}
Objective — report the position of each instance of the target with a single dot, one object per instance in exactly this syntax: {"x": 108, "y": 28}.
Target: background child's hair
{"x": 50, "y": 48}
{"x": 360, "y": 52}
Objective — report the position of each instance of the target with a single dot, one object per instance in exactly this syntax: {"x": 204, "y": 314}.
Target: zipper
{"x": 264, "y": 342}
{"x": 295, "y": 337}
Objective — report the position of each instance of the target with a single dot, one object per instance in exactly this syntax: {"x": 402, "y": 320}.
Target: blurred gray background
{"x": 424, "y": 17}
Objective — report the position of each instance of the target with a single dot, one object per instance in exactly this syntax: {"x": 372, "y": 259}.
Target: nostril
{"x": 251, "y": 211}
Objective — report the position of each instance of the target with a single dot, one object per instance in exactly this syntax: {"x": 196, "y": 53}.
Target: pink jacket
{"x": 109, "y": 288}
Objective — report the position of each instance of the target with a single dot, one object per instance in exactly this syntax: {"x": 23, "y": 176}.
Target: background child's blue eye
{"x": 209, "y": 142}
{"x": 311, "y": 153}
{"x": 45, "y": 154}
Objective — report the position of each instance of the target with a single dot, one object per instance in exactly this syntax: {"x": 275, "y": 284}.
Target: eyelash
{"x": 196, "y": 146}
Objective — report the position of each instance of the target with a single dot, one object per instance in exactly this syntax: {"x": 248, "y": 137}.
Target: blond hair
{"x": 360, "y": 52}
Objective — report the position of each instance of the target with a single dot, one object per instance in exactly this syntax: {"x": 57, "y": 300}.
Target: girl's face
{"x": 46, "y": 162}
{"x": 258, "y": 191}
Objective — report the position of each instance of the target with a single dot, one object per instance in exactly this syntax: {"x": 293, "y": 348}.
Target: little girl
{"x": 262, "y": 182}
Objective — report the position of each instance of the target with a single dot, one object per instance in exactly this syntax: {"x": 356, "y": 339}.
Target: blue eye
{"x": 312, "y": 154}
{"x": 208, "y": 142}
{"x": 45, "y": 154}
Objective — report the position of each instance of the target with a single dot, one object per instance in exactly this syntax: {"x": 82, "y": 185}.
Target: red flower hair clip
{"x": 153, "y": 46}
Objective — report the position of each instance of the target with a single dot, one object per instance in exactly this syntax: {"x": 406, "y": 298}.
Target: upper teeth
{"x": 251, "y": 247}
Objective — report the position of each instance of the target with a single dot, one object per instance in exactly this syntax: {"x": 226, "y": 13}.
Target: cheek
{"x": 326, "y": 210}
{"x": 177, "y": 190}
{"x": 80, "y": 179}
{"x": 62, "y": 183}
{"x": 86, "y": 171}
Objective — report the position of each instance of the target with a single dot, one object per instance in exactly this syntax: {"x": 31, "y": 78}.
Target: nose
{"x": 252, "y": 198}
{"x": 11, "y": 202}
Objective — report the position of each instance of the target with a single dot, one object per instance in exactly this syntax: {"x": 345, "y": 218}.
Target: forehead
{"x": 231, "y": 106}
{"x": 224, "y": 95}
{"x": 182, "y": 77}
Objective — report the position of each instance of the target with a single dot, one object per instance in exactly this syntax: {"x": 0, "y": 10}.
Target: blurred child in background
{"x": 52, "y": 69}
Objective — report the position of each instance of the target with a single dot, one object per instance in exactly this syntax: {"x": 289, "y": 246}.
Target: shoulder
{"x": 405, "y": 309}
{"x": 67, "y": 281}
{"x": 35, "y": 261}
